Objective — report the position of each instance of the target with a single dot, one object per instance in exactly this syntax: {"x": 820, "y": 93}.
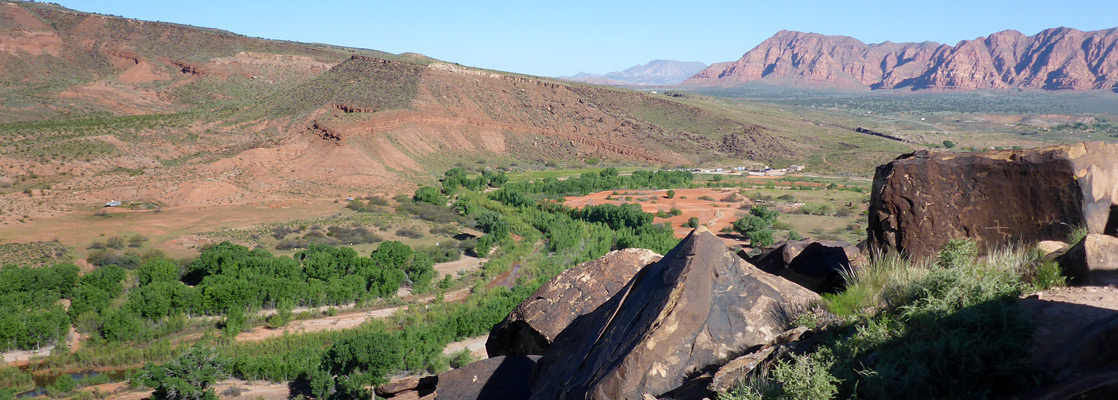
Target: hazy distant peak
{"x": 655, "y": 72}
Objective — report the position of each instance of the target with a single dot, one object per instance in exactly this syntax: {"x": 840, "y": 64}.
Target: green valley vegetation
{"x": 134, "y": 315}
{"x": 31, "y": 313}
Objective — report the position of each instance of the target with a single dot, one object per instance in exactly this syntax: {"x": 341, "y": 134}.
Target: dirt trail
{"x": 476, "y": 345}
{"x": 1061, "y": 312}
{"x": 24, "y": 357}
{"x": 466, "y": 263}
{"x": 342, "y": 321}
{"x": 227, "y": 389}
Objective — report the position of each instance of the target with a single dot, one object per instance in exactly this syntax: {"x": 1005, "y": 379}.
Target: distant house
{"x": 795, "y": 168}
{"x": 114, "y": 203}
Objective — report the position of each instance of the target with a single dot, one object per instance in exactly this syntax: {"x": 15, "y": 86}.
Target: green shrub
{"x": 351, "y": 365}
{"x": 461, "y": 358}
{"x": 760, "y": 238}
{"x": 816, "y": 209}
{"x": 430, "y": 195}
{"x": 409, "y": 232}
{"x": 805, "y": 377}
{"x": 439, "y": 214}
{"x": 1045, "y": 275}
{"x": 64, "y": 383}
{"x": 957, "y": 253}
{"x": 963, "y": 334}
{"x": 850, "y": 302}
{"x": 1077, "y": 234}
{"x": 187, "y": 377}
{"x": 765, "y": 213}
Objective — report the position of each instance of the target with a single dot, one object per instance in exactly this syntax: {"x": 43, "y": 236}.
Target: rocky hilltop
{"x": 1054, "y": 59}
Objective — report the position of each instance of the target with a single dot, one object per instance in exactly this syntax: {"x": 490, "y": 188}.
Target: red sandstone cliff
{"x": 1059, "y": 58}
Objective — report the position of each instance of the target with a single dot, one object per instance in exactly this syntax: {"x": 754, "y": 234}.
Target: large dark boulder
{"x": 698, "y": 307}
{"x": 1092, "y": 261}
{"x": 817, "y": 266}
{"x": 532, "y": 325}
{"x": 497, "y": 378}
{"x": 921, "y": 200}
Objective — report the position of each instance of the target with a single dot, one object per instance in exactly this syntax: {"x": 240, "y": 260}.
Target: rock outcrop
{"x": 816, "y": 266}
{"x": 1059, "y": 58}
{"x": 532, "y": 326}
{"x": 698, "y": 307}
{"x": 504, "y": 378}
{"x": 1094, "y": 261}
{"x": 409, "y": 388}
{"x": 921, "y": 200}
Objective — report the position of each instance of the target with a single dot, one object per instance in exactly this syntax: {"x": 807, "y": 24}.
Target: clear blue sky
{"x": 564, "y": 37}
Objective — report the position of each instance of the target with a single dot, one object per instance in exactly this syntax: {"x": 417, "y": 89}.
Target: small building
{"x": 114, "y": 203}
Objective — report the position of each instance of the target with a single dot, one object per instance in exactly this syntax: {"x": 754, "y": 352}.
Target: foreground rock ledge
{"x": 693, "y": 310}
{"x": 531, "y": 327}
{"x": 922, "y": 200}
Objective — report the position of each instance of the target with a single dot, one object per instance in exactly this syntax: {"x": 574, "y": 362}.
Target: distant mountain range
{"x": 656, "y": 72}
{"x": 1059, "y": 58}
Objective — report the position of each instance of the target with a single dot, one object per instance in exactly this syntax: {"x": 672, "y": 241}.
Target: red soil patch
{"x": 124, "y": 99}
{"x": 716, "y": 214}
{"x": 33, "y": 38}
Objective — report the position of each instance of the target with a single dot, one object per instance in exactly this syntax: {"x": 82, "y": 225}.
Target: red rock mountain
{"x": 1059, "y": 58}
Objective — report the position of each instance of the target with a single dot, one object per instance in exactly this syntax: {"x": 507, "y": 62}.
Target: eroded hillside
{"x": 101, "y": 108}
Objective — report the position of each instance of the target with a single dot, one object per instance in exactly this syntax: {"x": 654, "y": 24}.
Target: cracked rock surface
{"x": 692, "y": 311}
{"x": 531, "y": 327}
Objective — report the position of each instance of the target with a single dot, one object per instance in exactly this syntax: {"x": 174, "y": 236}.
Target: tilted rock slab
{"x": 531, "y": 327}
{"x": 698, "y": 307}
{"x": 922, "y": 200}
